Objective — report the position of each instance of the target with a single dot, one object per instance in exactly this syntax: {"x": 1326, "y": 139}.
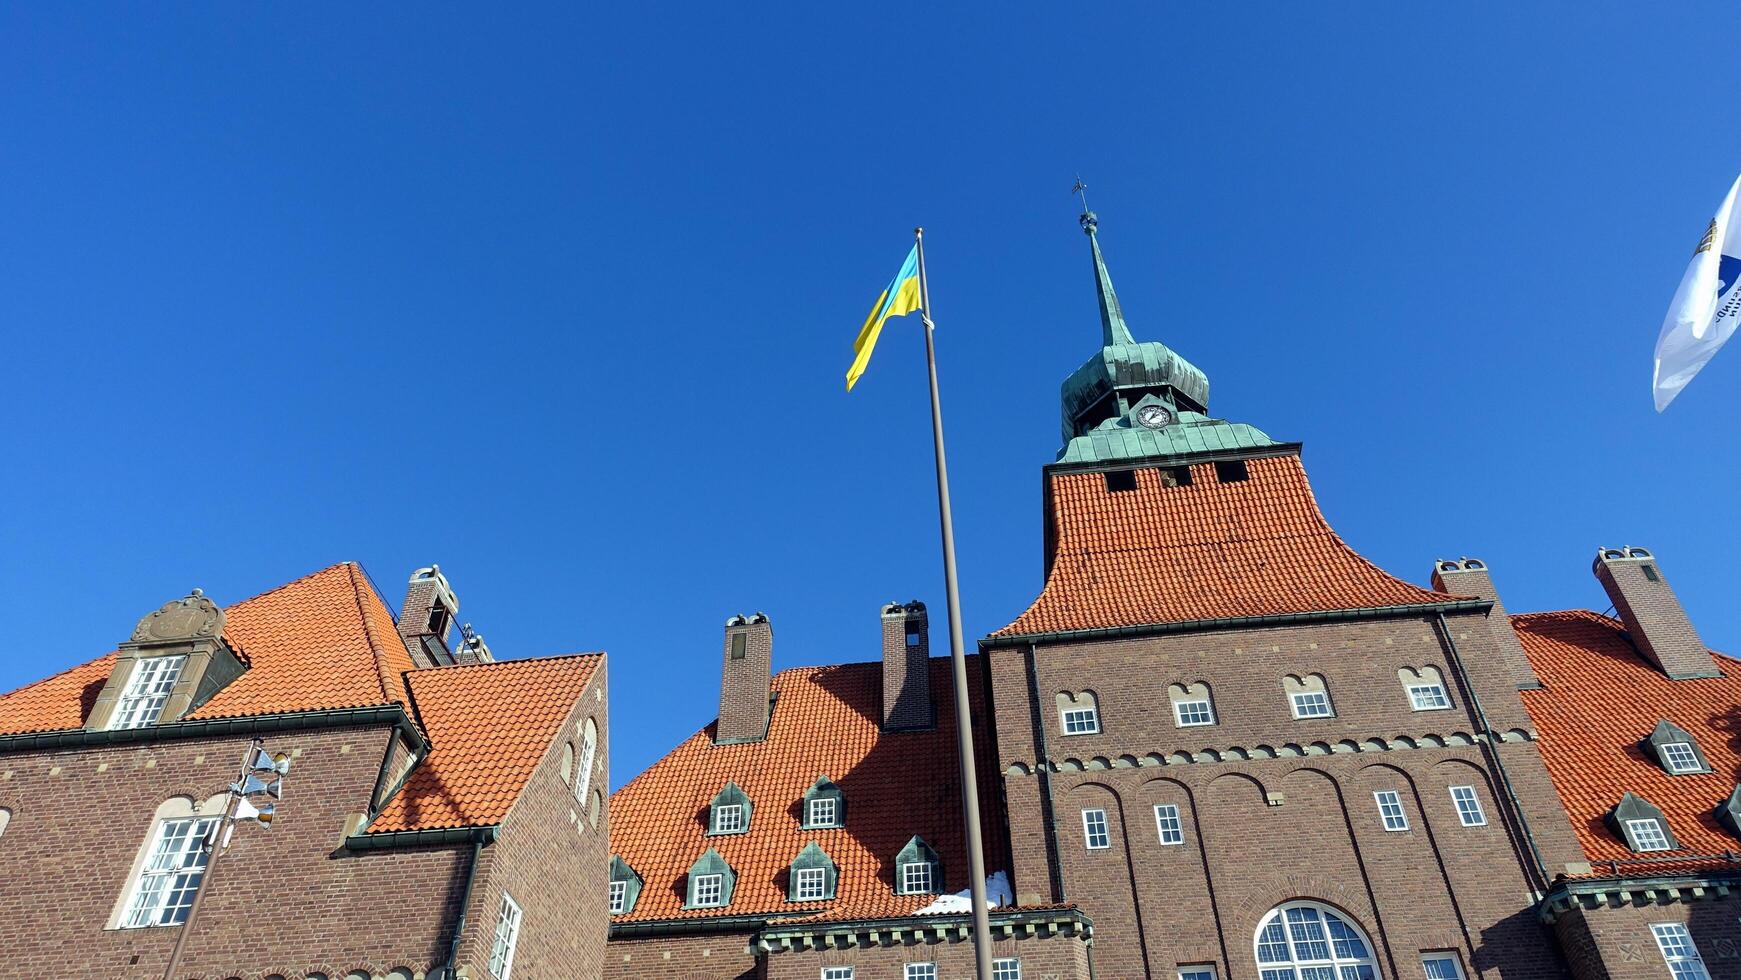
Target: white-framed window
{"x": 1192, "y": 713}
{"x": 619, "y": 897}
{"x": 1428, "y": 697}
{"x": 146, "y": 692}
{"x": 916, "y": 878}
{"x": 588, "y": 755}
{"x": 1469, "y": 811}
{"x": 821, "y": 812}
{"x": 1680, "y": 757}
{"x": 837, "y": 973}
{"x": 1167, "y": 824}
{"x": 921, "y": 971}
{"x": 1081, "y": 721}
{"x": 1094, "y": 832}
{"x": 507, "y": 937}
{"x": 812, "y": 884}
{"x": 708, "y": 891}
{"x": 1441, "y": 966}
{"x": 1007, "y": 969}
{"x": 1308, "y": 941}
{"x": 171, "y": 877}
{"x": 1647, "y": 835}
{"x": 1390, "y": 809}
{"x": 1311, "y": 704}
{"x": 1200, "y": 971}
{"x": 1678, "y": 951}
{"x": 728, "y": 818}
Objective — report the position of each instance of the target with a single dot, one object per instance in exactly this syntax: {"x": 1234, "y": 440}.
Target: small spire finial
{"x": 1088, "y": 220}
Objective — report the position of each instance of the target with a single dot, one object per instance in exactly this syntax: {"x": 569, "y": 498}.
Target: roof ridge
{"x": 518, "y": 660}
{"x": 375, "y": 651}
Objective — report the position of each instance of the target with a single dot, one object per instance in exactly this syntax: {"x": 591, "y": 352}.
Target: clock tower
{"x": 1138, "y": 400}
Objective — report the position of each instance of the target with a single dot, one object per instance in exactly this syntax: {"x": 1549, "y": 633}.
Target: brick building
{"x": 1219, "y": 744}
{"x": 443, "y": 814}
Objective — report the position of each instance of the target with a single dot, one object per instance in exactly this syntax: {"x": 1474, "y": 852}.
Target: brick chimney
{"x": 1470, "y": 577}
{"x": 743, "y": 689}
{"x": 427, "y": 617}
{"x": 1653, "y": 616}
{"x": 906, "y": 667}
{"x": 472, "y": 648}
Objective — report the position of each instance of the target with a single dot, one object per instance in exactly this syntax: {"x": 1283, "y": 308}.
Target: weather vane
{"x": 1088, "y": 220}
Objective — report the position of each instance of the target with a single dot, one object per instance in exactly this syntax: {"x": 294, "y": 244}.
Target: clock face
{"x": 1153, "y": 417}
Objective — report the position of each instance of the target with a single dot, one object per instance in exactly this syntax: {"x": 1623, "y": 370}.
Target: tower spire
{"x": 1114, "y": 331}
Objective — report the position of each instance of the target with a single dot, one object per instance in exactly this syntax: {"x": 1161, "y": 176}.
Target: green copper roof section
{"x": 1100, "y": 400}
{"x": 1113, "y": 329}
{"x": 1190, "y": 432}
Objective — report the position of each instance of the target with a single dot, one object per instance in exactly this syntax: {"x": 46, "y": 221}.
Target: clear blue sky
{"x": 561, "y": 298}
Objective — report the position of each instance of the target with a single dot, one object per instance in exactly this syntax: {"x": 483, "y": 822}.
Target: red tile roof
{"x": 1599, "y": 701}
{"x": 327, "y": 641}
{"x": 323, "y": 641}
{"x": 488, "y": 725}
{"x": 827, "y": 722}
{"x": 1210, "y": 550}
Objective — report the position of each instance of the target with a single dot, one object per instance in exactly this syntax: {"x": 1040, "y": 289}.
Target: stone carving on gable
{"x": 192, "y": 618}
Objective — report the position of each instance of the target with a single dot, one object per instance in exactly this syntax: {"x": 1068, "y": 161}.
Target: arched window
{"x": 1308, "y": 941}
{"x": 567, "y": 760}
{"x": 588, "y": 753}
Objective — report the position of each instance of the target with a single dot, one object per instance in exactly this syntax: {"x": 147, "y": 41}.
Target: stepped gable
{"x": 1208, "y": 550}
{"x": 826, "y": 722}
{"x": 489, "y": 726}
{"x": 323, "y": 641}
{"x": 1600, "y": 699}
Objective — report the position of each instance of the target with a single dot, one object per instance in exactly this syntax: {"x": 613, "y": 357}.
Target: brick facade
{"x": 1614, "y": 941}
{"x": 550, "y": 855}
{"x": 284, "y": 899}
{"x": 1275, "y": 808}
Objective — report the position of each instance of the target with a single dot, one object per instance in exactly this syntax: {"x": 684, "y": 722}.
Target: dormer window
{"x": 918, "y": 870}
{"x": 824, "y": 806}
{"x": 147, "y": 691}
{"x": 813, "y": 875}
{"x": 1675, "y": 750}
{"x": 1641, "y": 825}
{"x": 730, "y": 812}
{"x": 625, "y": 886}
{"x": 174, "y": 662}
{"x": 710, "y": 882}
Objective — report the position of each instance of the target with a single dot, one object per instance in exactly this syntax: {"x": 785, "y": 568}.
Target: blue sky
{"x": 561, "y": 296}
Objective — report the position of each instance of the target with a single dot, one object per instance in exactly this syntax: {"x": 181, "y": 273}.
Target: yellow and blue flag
{"x": 900, "y": 298}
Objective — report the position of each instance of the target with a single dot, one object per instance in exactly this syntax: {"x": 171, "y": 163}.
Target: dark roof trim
{"x": 72, "y": 738}
{"x": 699, "y": 924}
{"x": 1009, "y": 920}
{"x": 1176, "y": 459}
{"x": 1236, "y": 622}
{"x": 422, "y": 838}
{"x": 1589, "y": 893}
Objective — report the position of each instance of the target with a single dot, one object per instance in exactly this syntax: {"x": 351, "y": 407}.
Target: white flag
{"x": 1706, "y": 308}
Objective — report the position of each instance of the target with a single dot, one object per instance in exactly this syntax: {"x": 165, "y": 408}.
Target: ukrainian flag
{"x": 900, "y": 298}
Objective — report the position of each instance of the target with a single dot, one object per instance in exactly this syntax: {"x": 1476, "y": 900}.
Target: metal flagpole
{"x": 963, "y": 715}
{"x": 214, "y": 847}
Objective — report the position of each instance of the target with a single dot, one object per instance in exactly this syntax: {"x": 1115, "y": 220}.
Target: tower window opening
{"x": 1121, "y": 481}
{"x": 1176, "y": 476}
{"x": 1231, "y": 471}
{"x": 438, "y": 615}
{"x": 740, "y": 644}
